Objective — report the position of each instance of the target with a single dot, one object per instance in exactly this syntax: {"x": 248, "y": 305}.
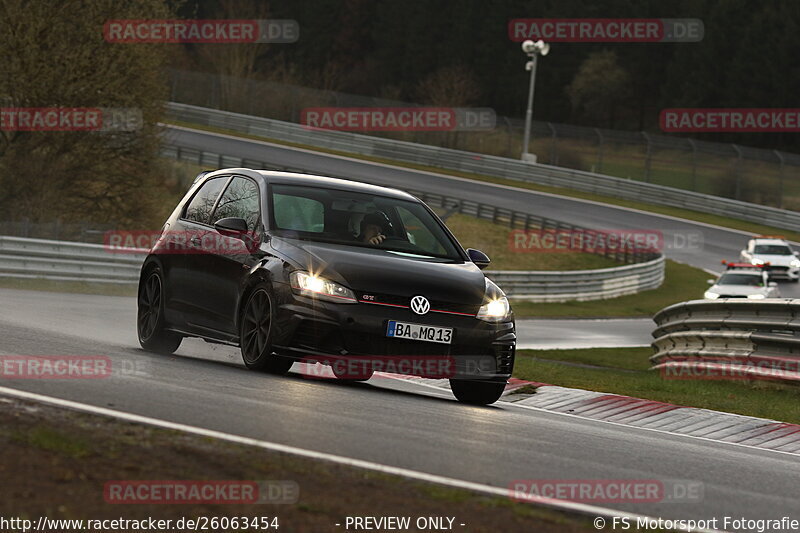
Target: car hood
{"x": 376, "y": 271}
{"x": 738, "y": 290}
{"x": 776, "y": 260}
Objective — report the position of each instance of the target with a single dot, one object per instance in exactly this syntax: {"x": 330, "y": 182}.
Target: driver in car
{"x": 373, "y": 226}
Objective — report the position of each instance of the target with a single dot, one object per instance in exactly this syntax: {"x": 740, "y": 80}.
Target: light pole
{"x": 533, "y": 51}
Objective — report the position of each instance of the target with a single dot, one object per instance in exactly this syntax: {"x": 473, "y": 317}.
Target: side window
{"x": 240, "y": 200}
{"x": 418, "y": 233}
{"x": 199, "y": 208}
{"x": 298, "y": 213}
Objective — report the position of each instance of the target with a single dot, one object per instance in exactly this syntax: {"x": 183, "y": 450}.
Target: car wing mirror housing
{"x": 231, "y": 226}
{"x": 710, "y": 281}
{"x": 479, "y": 258}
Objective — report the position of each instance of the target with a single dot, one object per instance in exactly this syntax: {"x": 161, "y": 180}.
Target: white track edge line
{"x": 562, "y": 505}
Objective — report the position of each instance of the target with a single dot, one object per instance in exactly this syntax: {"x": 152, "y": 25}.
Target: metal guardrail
{"x": 487, "y": 165}
{"x": 71, "y": 261}
{"x": 68, "y": 261}
{"x": 729, "y": 339}
{"x": 580, "y": 285}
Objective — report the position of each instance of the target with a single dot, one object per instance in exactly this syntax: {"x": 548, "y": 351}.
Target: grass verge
{"x": 57, "y": 462}
{"x": 493, "y": 240}
{"x": 681, "y": 283}
{"x": 687, "y": 214}
{"x": 624, "y": 371}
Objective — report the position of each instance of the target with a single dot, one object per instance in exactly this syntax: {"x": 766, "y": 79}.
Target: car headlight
{"x": 795, "y": 263}
{"x": 757, "y": 261}
{"x": 755, "y": 296}
{"x": 496, "y": 307}
{"x": 494, "y": 310}
{"x": 711, "y": 295}
{"x": 317, "y": 287}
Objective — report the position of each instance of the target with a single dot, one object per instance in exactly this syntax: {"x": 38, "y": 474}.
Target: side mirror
{"x": 232, "y": 226}
{"x": 797, "y": 254}
{"x": 710, "y": 281}
{"x": 479, "y": 258}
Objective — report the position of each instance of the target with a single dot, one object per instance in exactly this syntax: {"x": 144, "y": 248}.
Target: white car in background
{"x": 775, "y": 254}
{"x": 742, "y": 280}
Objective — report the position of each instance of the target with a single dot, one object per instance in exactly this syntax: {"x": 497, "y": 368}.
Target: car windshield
{"x": 752, "y": 280}
{"x": 772, "y": 249}
{"x": 359, "y": 219}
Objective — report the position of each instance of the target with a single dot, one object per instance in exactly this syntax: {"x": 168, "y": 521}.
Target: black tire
{"x": 477, "y": 392}
{"x": 150, "y": 326}
{"x": 255, "y": 334}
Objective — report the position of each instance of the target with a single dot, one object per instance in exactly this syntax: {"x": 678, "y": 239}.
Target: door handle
{"x": 195, "y": 242}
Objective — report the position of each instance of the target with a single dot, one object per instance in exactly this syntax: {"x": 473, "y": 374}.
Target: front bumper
{"x": 783, "y": 272}
{"x": 307, "y": 329}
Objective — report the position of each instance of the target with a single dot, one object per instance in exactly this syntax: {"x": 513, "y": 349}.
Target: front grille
{"x": 778, "y": 268}
{"x": 733, "y": 296}
{"x": 436, "y": 305}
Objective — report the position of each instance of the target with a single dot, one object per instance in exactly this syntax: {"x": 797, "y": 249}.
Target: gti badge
{"x": 420, "y": 305}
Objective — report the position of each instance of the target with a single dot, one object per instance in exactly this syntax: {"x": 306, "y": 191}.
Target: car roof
{"x": 312, "y": 180}
{"x": 762, "y": 240}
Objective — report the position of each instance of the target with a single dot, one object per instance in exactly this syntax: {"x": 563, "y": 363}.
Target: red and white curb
{"x": 648, "y": 414}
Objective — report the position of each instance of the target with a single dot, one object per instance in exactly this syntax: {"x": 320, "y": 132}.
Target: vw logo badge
{"x": 420, "y": 305}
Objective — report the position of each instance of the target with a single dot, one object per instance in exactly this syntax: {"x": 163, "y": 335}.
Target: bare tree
{"x": 236, "y": 63}
{"x": 599, "y": 87}
{"x": 453, "y": 86}
{"x": 54, "y": 55}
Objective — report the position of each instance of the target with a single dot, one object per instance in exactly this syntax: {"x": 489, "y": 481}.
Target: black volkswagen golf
{"x": 301, "y": 268}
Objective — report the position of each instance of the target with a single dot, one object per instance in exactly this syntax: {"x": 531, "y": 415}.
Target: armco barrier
{"x": 67, "y": 261}
{"x": 71, "y": 261}
{"x": 487, "y": 165}
{"x": 580, "y": 285}
{"x": 729, "y": 339}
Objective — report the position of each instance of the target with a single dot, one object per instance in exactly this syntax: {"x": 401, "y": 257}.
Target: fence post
{"x": 738, "y": 169}
{"x": 599, "y": 150}
{"x": 780, "y": 179}
{"x": 648, "y": 157}
{"x": 553, "y": 148}
{"x": 694, "y": 164}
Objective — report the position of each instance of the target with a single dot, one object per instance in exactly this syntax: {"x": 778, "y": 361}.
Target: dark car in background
{"x": 301, "y": 268}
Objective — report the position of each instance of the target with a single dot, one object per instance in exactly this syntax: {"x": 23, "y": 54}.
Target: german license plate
{"x": 419, "y": 332}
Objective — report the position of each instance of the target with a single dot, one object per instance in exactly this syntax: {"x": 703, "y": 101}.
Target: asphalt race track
{"x": 386, "y": 421}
